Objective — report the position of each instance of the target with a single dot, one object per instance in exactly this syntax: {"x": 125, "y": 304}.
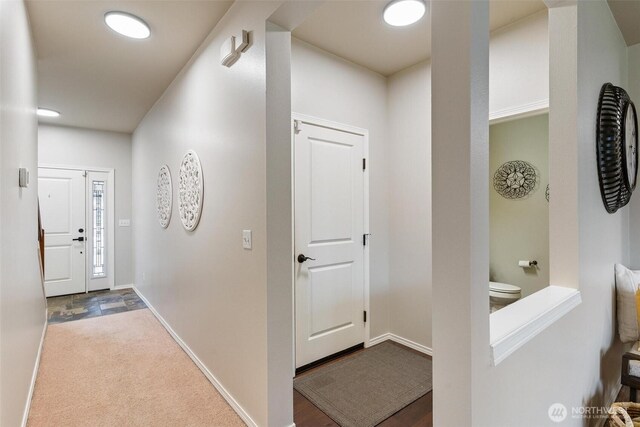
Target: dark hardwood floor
{"x": 417, "y": 414}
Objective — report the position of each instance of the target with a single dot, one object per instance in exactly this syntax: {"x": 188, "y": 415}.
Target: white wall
{"x": 409, "y": 157}
{"x": 210, "y": 290}
{"x": 634, "y": 74}
{"x": 328, "y": 87}
{"x": 22, "y": 307}
{"x": 634, "y": 92}
{"x": 519, "y": 80}
{"x": 576, "y": 361}
{"x": 280, "y": 251}
{"x": 460, "y": 223}
{"x": 68, "y": 146}
{"x": 519, "y": 66}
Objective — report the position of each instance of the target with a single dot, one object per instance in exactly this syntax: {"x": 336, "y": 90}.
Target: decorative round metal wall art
{"x": 190, "y": 190}
{"x": 546, "y": 193}
{"x": 617, "y": 146}
{"x": 515, "y": 179}
{"x": 164, "y": 196}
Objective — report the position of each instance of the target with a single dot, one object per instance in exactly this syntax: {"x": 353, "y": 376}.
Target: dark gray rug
{"x": 365, "y": 389}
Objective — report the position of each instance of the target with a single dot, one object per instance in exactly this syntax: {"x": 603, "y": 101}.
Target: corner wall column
{"x": 460, "y": 162}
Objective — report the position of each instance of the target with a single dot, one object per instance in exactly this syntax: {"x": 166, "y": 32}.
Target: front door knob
{"x": 79, "y": 239}
{"x": 302, "y": 258}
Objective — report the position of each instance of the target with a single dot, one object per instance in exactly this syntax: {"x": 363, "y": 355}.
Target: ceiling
{"x": 627, "y": 14}
{"x": 99, "y": 79}
{"x": 359, "y": 34}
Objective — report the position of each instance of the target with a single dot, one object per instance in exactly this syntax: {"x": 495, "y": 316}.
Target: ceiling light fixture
{"x": 127, "y": 24}
{"x": 45, "y": 112}
{"x": 400, "y": 13}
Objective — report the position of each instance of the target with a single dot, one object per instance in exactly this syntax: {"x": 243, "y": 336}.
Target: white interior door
{"x": 62, "y": 204}
{"x": 329, "y": 228}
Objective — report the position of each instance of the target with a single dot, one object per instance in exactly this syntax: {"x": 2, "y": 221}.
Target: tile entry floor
{"x": 93, "y": 304}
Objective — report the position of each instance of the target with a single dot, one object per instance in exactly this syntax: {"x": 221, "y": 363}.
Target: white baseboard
{"x": 379, "y": 339}
{"x": 400, "y": 340}
{"x": 32, "y": 386}
{"x": 129, "y": 286}
{"x": 212, "y": 379}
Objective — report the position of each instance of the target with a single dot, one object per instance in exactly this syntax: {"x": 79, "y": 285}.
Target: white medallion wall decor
{"x": 164, "y": 196}
{"x": 190, "y": 190}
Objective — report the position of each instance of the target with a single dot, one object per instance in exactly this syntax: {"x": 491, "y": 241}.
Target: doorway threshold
{"x": 329, "y": 358}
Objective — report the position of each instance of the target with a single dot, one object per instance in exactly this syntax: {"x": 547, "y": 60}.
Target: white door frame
{"x": 111, "y": 266}
{"x": 302, "y": 118}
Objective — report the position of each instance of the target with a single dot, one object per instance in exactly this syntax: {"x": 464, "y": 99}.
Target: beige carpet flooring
{"x": 122, "y": 370}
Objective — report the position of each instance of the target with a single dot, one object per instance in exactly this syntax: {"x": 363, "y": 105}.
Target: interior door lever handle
{"x": 302, "y": 258}
{"x": 79, "y": 239}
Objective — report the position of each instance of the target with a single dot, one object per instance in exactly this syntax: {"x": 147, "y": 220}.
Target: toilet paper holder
{"x": 528, "y": 264}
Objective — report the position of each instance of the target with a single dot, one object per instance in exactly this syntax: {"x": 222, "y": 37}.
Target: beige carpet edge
{"x": 122, "y": 369}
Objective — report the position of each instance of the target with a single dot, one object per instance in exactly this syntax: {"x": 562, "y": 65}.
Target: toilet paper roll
{"x": 525, "y": 264}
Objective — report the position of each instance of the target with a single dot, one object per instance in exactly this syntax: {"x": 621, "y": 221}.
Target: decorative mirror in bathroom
{"x": 518, "y": 208}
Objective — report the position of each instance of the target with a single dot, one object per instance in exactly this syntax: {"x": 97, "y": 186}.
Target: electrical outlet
{"x": 246, "y": 239}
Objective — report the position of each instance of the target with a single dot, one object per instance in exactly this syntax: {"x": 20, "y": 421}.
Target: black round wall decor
{"x": 515, "y": 179}
{"x": 617, "y": 146}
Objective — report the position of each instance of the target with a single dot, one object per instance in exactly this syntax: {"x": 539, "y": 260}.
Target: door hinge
{"x": 364, "y": 313}
{"x": 296, "y": 126}
{"x": 364, "y": 238}
{"x": 364, "y": 164}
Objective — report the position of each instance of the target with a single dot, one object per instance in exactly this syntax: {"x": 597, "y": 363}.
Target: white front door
{"x": 329, "y": 229}
{"x": 62, "y": 205}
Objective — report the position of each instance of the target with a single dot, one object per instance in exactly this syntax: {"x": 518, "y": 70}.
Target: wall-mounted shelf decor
{"x": 190, "y": 190}
{"x": 515, "y": 179}
{"x": 164, "y": 196}
{"x": 617, "y": 146}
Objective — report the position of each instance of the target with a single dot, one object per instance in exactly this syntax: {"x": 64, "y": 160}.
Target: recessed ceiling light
{"x": 127, "y": 24}
{"x": 45, "y": 112}
{"x": 401, "y": 13}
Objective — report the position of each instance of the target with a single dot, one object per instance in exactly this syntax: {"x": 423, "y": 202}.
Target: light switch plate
{"x": 124, "y": 222}
{"x": 246, "y": 239}
{"x": 23, "y": 177}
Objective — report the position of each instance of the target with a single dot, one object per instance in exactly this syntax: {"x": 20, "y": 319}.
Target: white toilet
{"x": 502, "y": 294}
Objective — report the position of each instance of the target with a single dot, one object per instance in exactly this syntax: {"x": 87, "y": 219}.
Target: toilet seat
{"x": 504, "y": 288}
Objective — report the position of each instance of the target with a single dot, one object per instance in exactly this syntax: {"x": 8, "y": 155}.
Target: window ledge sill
{"x": 517, "y": 323}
